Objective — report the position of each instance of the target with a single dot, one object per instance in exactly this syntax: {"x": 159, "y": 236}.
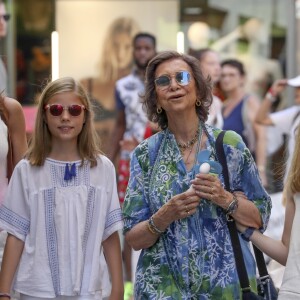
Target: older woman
{"x": 182, "y": 230}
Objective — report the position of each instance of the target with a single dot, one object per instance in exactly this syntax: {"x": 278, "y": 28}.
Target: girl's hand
{"x": 241, "y": 228}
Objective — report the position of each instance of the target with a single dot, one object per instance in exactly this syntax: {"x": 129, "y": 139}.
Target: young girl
{"x": 62, "y": 211}
{"x": 286, "y": 251}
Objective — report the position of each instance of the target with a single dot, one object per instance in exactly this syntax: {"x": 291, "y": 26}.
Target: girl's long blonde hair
{"x": 109, "y": 64}
{"x": 40, "y": 144}
{"x": 293, "y": 179}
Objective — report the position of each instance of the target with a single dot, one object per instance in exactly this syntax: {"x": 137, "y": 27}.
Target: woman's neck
{"x": 184, "y": 130}
{"x": 235, "y": 96}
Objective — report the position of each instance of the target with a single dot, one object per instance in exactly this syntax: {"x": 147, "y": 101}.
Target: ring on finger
{"x": 186, "y": 209}
{"x": 212, "y": 189}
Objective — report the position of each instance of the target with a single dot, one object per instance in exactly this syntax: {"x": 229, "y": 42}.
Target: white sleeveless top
{"x": 290, "y": 288}
{"x": 3, "y": 158}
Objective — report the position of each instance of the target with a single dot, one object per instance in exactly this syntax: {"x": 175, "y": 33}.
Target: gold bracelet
{"x": 151, "y": 229}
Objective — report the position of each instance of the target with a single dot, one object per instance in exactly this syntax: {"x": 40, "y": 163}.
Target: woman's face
{"x": 231, "y": 79}
{"x": 123, "y": 49}
{"x": 210, "y": 65}
{"x": 3, "y": 23}
{"x": 175, "y": 97}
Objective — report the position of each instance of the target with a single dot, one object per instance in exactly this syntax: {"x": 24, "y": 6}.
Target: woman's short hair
{"x": 235, "y": 64}
{"x": 40, "y": 144}
{"x": 203, "y": 87}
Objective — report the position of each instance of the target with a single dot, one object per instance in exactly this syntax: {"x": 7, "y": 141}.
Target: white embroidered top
{"x": 290, "y": 288}
{"x": 3, "y": 158}
{"x": 63, "y": 223}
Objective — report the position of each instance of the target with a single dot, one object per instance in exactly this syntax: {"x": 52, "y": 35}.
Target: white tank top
{"x": 3, "y": 158}
{"x": 290, "y": 288}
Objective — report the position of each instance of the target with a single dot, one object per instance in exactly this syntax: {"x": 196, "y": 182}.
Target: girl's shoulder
{"x": 103, "y": 160}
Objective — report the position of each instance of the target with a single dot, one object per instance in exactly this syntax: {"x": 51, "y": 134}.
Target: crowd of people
{"x": 72, "y": 227}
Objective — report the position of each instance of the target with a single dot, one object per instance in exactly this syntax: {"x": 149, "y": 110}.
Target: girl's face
{"x": 65, "y": 120}
{"x": 123, "y": 49}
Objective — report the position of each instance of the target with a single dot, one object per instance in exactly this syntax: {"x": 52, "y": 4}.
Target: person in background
{"x": 286, "y": 251}
{"x": 4, "y": 17}
{"x": 211, "y": 66}
{"x": 12, "y": 146}
{"x": 131, "y": 127}
{"x": 239, "y": 112}
{"x": 115, "y": 63}
{"x": 176, "y": 215}
{"x": 61, "y": 209}
{"x": 285, "y": 121}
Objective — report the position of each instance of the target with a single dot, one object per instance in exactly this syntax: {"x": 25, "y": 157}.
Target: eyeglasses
{"x": 182, "y": 78}
{"x": 57, "y": 109}
{"x": 6, "y": 17}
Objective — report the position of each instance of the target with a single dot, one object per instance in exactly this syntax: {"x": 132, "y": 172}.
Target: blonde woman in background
{"x": 115, "y": 62}
{"x": 12, "y": 123}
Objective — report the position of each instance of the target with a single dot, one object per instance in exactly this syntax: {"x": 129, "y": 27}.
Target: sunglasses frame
{"x": 6, "y": 17}
{"x": 48, "y": 107}
{"x": 188, "y": 75}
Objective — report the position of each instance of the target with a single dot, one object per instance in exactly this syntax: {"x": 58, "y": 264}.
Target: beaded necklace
{"x": 188, "y": 144}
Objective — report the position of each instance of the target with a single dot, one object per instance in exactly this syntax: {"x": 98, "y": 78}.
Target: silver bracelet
{"x": 5, "y": 295}
{"x": 270, "y": 97}
{"x": 154, "y": 227}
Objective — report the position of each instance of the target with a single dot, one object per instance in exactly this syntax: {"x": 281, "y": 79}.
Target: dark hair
{"x": 203, "y": 87}
{"x": 144, "y": 35}
{"x": 235, "y": 64}
{"x": 199, "y": 54}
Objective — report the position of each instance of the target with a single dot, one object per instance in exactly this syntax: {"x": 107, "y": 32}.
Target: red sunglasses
{"x": 57, "y": 109}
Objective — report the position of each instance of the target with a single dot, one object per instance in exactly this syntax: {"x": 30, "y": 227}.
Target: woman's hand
{"x": 209, "y": 187}
{"x": 178, "y": 207}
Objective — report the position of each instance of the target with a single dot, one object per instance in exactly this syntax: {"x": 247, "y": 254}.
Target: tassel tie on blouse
{"x": 70, "y": 172}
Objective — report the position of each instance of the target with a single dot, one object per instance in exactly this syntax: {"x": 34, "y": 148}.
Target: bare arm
{"x": 263, "y": 114}
{"x": 260, "y": 136}
{"x": 16, "y": 127}
{"x": 112, "y": 252}
{"x": 140, "y": 237}
{"x": 117, "y": 135}
{"x": 11, "y": 258}
{"x": 278, "y": 250}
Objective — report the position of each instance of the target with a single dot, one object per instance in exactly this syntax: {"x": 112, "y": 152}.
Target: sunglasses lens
{"x": 162, "y": 81}
{"x": 56, "y": 109}
{"x": 183, "y": 77}
{"x": 75, "y": 110}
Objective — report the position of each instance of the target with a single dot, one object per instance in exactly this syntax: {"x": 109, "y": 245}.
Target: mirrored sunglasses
{"x": 6, "y": 17}
{"x": 57, "y": 109}
{"x": 182, "y": 78}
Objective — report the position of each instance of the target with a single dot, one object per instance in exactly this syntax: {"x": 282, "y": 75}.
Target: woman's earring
{"x": 198, "y": 102}
{"x": 159, "y": 110}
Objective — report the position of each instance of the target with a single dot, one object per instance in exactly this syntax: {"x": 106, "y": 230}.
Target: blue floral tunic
{"x": 193, "y": 259}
